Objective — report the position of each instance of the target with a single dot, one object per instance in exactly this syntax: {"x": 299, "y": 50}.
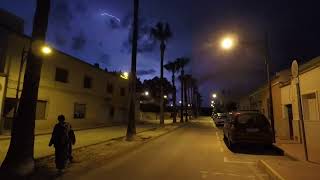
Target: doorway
{"x": 290, "y": 119}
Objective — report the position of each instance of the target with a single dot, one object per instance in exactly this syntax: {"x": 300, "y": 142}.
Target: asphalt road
{"x": 196, "y": 151}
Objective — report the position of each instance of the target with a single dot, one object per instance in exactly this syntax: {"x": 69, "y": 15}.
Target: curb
{"x": 274, "y": 175}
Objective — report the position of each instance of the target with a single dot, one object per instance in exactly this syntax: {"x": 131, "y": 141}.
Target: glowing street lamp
{"x": 46, "y": 50}
{"x": 180, "y": 102}
{"x": 165, "y": 96}
{"x": 227, "y": 43}
{"x": 146, "y": 93}
{"x": 214, "y": 95}
{"x": 125, "y": 75}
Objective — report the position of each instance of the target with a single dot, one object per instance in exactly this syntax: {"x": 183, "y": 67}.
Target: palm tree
{"x": 182, "y": 62}
{"x": 162, "y": 33}
{"x": 187, "y": 79}
{"x": 19, "y": 160}
{"x": 131, "y": 129}
{"x": 173, "y": 67}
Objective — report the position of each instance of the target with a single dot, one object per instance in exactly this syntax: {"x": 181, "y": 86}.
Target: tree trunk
{"x": 162, "y": 49}
{"x": 131, "y": 130}
{"x": 182, "y": 100}
{"x": 186, "y": 98}
{"x": 174, "y": 98}
{"x": 19, "y": 161}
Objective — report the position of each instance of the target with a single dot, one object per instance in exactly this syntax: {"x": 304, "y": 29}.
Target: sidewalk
{"x": 84, "y": 138}
{"x": 295, "y": 169}
{"x": 292, "y": 149}
{"x": 290, "y": 170}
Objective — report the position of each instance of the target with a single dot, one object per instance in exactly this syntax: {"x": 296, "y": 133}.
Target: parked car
{"x": 247, "y": 127}
{"x": 220, "y": 119}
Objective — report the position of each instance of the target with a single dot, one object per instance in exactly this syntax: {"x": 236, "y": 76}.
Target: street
{"x": 196, "y": 151}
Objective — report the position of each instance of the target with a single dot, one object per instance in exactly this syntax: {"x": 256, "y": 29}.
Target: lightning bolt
{"x": 111, "y": 16}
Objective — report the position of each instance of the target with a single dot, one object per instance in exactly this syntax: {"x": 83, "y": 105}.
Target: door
{"x": 290, "y": 119}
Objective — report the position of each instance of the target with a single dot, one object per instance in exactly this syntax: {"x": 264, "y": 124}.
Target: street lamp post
{"x": 227, "y": 44}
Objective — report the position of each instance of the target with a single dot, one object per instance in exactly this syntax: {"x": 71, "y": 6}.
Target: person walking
{"x": 62, "y": 138}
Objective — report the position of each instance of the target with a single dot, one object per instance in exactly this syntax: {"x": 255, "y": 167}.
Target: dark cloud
{"x": 146, "y": 72}
{"x": 60, "y": 39}
{"x": 100, "y": 44}
{"x": 81, "y": 6}
{"x": 62, "y": 14}
{"x": 113, "y": 23}
{"x": 145, "y": 41}
{"x": 79, "y": 41}
{"x": 105, "y": 59}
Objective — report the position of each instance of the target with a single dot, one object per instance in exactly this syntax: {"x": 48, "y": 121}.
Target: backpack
{"x": 64, "y": 136}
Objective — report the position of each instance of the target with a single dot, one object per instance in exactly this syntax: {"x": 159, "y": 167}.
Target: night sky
{"x": 98, "y": 31}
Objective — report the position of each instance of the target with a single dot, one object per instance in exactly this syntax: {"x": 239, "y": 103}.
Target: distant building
{"x": 87, "y": 95}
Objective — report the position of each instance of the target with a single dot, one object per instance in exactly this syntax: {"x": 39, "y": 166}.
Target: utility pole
{"x": 270, "y": 105}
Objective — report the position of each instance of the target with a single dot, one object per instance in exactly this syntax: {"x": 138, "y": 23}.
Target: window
{"x": 310, "y": 107}
{"x": 79, "y": 111}
{"x": 111, "y": 112}
{"x": 87, "y": 82}
{"x": 110, "y": 88}
{"x": 122, "y": 91}
{"x": 61, "y": 75}
{"x": 41, "y": 110}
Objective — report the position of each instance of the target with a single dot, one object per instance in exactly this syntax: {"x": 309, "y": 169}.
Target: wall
{"x": 310, "y": 84}
{"x": 61, "y": 97}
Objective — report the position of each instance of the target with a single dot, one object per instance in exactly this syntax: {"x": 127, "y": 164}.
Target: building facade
{"x": 310, "y": 104}
{"x": 87, "y": 95}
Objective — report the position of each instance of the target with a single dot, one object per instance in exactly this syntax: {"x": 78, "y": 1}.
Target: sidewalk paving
{"x": 293, "y": 150}
{"x": 290, "y": 170}
{"x": 84, "y": 138}
{"x": 296, "y": 168}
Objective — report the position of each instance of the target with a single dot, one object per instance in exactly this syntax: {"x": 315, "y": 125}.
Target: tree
{"x": 19, "y": 160}
{"x": 182, "y": 62}
{"x": 173, "y": 67}
{"x": 131, "y": 129}
{"x": 153, "y": 85}
{"x": 162, "y": 33}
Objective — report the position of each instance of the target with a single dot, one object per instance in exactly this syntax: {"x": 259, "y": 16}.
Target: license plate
{"x": 252, "y": 130}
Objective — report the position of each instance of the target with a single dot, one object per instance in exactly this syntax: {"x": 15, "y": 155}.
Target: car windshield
{"x": 252, "y": 120}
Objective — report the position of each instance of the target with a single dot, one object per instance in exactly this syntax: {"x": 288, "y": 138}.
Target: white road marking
{"x": 226, "y": 160}
{"x": 204, "y": 174}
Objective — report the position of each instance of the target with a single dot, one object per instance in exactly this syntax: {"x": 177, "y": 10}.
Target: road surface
{"x": 196, "y": 151}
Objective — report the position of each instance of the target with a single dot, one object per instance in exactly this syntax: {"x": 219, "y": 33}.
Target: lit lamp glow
{"x": 46, "y": 50}
{"x": 146, "y": 93}
{"x": 165, "y": 96}
{"x": 125, "y": 75}
{"x": 180, "y": 102}
{"x": 227, "y": 43}
{"x": 214, "y": 95}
